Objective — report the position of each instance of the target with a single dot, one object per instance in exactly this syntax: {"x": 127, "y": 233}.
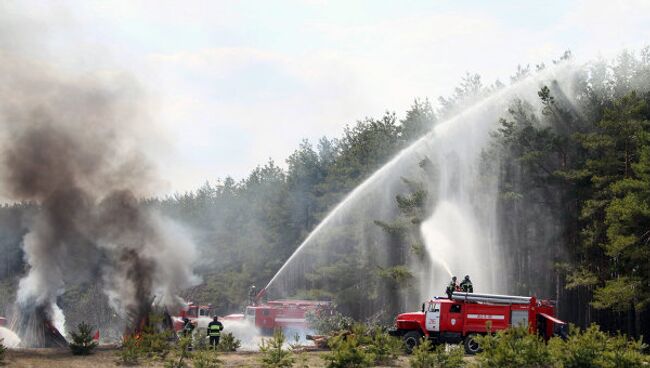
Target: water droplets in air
{"x": 460, "y": 235}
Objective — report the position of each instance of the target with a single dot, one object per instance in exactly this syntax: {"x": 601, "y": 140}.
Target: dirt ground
{"x": 105, "y": 357}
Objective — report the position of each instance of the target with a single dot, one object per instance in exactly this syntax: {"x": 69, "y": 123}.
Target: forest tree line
{"x": 574, "y": 203}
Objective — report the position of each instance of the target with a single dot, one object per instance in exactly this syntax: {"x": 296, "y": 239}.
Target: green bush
{"x": 442, "y": 356}
{"x": 182, "y": 354}
{"x": 422, "y": 356}
{"x": 273, "y": 353}
{"x": 594, "y": 348}
{"x": 82, "y": 340}
{"x": 514, "y": 347}
{"x": 361, "y": 346}
{"x": 129, "y": 352}
{"x": 348, "y": 352}
{"x": 383, "y": 347}
{"x": 153, "y": 344}
{"x": 206, "y": 359}
{"x": 622, "y": 352}
{"x": 228, "y": 342}
{"x": 148, "y": 345}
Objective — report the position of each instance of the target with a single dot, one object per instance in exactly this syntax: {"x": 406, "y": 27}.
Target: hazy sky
{"x": 232, "y": 83}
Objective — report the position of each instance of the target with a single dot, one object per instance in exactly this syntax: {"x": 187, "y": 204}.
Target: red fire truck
{"x": 283, "y": 314}
{"x": 465, "y": 315}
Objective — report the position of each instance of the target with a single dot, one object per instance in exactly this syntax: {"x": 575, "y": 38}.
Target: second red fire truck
{"x": 267, "y": 317}
{"x": 283, "y": 314}
{"x": 466, "y": 315}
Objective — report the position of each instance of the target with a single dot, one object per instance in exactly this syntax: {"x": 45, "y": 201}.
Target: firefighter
{"x": 188, "y": 327}
{"x": 214, "y": 332}
{"x": 466, "y": 285}
{"x": 453, "y": 286}
{"x": 252, "y": 293}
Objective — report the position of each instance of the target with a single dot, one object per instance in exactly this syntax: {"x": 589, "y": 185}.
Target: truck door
{"x": 433, "y": 317}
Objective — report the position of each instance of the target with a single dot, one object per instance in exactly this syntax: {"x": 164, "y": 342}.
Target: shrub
{"x": 594, "y": 348}
{"x": 228, "y": 342}
{"x": 443, "y": 356}
{"x": 449, "y": 356}
{"x": 129, "y": 353}
{"x": 149, "y": 344}
{"x": 348, "y": 352}
{"x": 182, "y": 354}
{"x": 82, "y": 340}
{"x": 622, "y": 352}
{"x": 206, "y": 359}
{"x": 361, "y": 347}
{"x": 422, "y": 357}
{"x": 154, "y": 344}
{"x": 514, "y": 347}
{"x": 383, "y": 347}
{"x": 273, "y": 353}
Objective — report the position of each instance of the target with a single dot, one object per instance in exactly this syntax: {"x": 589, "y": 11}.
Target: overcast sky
{"x": 233, "y": 83}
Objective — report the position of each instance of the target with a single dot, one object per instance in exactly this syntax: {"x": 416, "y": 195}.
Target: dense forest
{"x": 574, "y": 199}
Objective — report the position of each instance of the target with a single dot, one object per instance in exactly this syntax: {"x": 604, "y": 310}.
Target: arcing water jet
{"x": 461, "y": 234}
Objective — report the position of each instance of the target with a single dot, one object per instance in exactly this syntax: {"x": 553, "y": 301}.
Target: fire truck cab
{"x": 192, "y": 312}
{"x": 460, "y": 319}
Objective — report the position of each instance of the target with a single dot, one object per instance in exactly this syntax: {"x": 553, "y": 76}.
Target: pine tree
{"x": 82, "y": 340}
{"x": 273, "y": 353}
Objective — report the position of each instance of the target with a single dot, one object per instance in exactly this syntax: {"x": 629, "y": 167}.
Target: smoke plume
{"x": 69, "y": 144}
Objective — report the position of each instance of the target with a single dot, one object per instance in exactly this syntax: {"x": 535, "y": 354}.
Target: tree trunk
{"x": 631, "y": 319}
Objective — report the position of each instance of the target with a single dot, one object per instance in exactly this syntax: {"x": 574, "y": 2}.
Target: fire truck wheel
{"x": 412, "y": 340}
{"x": 471, "y": 345}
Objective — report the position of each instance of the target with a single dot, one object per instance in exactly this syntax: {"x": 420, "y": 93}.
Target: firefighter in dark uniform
{"x": 214, "y": 332}
{"x": 453, "y": 286}
{"x": 188, "y": 327}
{"x": 466, "y": 285}
{"x": 252, "y": 293}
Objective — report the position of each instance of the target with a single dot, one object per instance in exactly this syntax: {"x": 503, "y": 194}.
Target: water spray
{"x": 461, "y": 232}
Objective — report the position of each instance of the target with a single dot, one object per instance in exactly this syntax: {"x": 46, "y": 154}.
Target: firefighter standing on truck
{"x": 466, "y": 285}
{"x": 214, "y": 332}
{"x": 453, "y": 286}
{"x": 252, "y": 293}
